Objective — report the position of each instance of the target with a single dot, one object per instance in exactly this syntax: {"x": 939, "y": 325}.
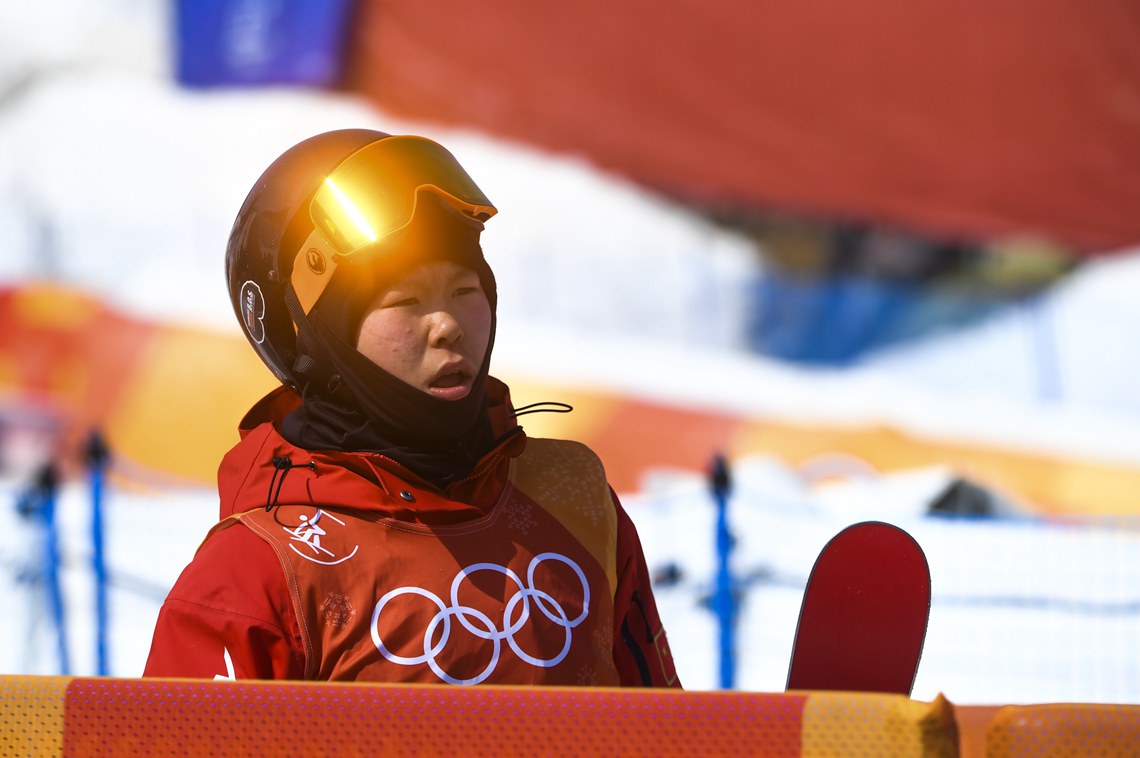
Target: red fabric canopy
{"x": 974, "y": 118}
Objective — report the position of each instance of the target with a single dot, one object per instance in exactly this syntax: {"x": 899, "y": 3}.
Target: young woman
{"x": 385, "y": 517}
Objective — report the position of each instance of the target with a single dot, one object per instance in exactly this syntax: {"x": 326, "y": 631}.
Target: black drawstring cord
{"x": 545, "y": 406}
{"x": 644, "y": 616}
{"x": 282, "y": 466}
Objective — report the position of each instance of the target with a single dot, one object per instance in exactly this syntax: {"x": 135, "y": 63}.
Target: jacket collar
{"x": 264, "y": 469}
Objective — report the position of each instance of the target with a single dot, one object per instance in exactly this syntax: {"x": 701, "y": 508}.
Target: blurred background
{"x": 881, "y": 259}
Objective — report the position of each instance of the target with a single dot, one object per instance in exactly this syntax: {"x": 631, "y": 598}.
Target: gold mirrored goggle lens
{"x": 372, "y": 194}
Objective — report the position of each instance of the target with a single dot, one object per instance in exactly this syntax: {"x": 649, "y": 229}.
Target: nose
{"x": 444, "y": 329}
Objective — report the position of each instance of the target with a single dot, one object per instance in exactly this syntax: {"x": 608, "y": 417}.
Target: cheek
{"x": 386, "y": 341}
{"x": 479, "y": 321}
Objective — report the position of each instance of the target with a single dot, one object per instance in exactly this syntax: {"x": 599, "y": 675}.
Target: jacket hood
{"x": 265, "y": 470}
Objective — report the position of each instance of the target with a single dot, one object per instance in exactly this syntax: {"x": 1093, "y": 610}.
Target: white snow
{"x": 115, "y": 180}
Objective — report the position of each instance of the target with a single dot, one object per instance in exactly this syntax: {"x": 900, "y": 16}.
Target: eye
{"x": 399, "y": 301}
{"x": 468, "y": 290}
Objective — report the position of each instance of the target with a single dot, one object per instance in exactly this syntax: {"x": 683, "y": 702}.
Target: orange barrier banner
{"x": 101, "y": 716}
{"x": 169, "y": 399}
{"x": 1064, "y": 730}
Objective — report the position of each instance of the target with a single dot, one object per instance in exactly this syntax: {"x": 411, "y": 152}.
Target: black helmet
{"x": 328, "y": 198}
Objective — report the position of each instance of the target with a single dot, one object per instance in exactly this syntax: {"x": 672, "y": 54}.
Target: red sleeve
{"x": 229, "y": 615}
{"x": 641, "y": 649}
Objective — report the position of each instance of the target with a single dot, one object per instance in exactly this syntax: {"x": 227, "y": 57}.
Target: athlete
{"x": 384, "y": 516}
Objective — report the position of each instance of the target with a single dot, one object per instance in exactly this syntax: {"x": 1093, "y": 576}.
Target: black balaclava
{"x": 350, "y": 403}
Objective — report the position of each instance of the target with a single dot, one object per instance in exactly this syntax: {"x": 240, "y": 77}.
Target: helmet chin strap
{"x": 312, "y": 355}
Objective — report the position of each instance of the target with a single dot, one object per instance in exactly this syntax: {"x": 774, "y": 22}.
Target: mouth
{"x": 451, "y": 384}
{"x": 454, "y": 379}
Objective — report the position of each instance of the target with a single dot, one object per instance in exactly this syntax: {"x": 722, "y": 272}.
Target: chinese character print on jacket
{"x": 347, "y": 567}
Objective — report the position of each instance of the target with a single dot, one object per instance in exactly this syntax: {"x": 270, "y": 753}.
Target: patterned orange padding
{"x": 279, "y": 718}
{"x": 87, "y": 716}
{"x": 32, "y": 714}
{"x": 860, "y": 723}
{"x": 1064, "y": 731}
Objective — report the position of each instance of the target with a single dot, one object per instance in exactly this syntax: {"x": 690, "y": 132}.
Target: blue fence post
{"x": 724, "y": 597}
{"x": 96, "y": 456}
{"x": 38, "y": 503}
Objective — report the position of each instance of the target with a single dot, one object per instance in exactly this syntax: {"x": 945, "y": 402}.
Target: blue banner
{"x": 255, "y": 42}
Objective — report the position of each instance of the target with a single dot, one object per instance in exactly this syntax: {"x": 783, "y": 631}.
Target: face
{"x": 430, "y": 329}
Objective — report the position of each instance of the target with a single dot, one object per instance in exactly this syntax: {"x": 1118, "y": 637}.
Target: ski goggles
{"x": 371, "y": 195}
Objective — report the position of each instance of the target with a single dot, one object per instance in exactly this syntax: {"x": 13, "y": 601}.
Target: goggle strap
{"x": 312, "y": 269}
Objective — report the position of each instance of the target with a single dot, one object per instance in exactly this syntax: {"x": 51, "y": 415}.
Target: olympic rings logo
{"x": 481, "y": 625}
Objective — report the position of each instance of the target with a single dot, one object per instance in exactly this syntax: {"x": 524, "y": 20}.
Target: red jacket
{"x": 526, "y": 572}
